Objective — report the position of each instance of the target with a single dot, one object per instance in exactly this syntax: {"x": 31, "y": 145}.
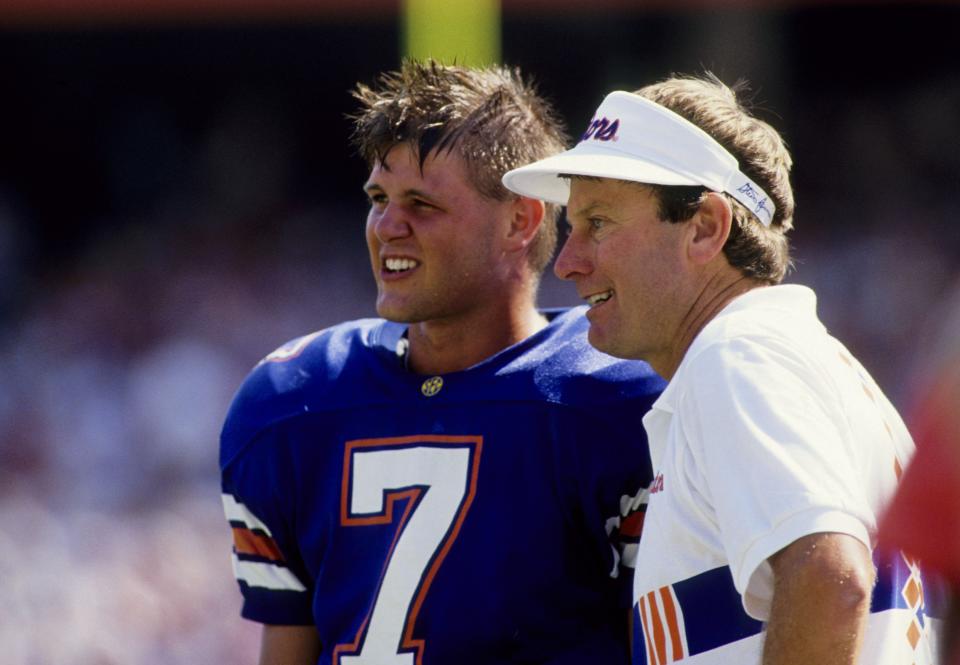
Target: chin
{"x": 398, "y": 312}
{"x": 610, "y": 345}
{"x": 395, "y": 315}
{"x": 598, "y": 340}
{"x": 391, "y": 312}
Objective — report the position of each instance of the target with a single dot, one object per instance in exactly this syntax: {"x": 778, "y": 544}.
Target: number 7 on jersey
{"x": 436, "y": 478}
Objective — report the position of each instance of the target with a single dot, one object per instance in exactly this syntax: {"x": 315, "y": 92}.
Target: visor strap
{"x": 753, "y": 198}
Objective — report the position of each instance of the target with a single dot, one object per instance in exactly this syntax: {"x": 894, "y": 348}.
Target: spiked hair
{"x": 491, "y": 117}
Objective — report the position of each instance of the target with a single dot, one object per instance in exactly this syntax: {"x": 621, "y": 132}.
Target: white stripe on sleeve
{"x": 237, "y": 512}
{"x": 266, "y": 575}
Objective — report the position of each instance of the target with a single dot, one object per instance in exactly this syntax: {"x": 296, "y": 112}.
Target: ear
{"x": 526, "y": 215}
{"x": 710, "y": 228}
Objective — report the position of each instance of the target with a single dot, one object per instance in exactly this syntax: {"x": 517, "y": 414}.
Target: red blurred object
{"x": 924, "y": 519}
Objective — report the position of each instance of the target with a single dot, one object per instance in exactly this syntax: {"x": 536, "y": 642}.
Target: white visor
{"x": 632, "y": 138}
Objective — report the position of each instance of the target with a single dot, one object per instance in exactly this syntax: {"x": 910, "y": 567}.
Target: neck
{"x": 716, "y": 293}
{"x": 443, "y": 346}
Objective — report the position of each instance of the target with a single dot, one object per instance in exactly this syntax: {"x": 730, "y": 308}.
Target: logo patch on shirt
{"x": 432, "y": 386}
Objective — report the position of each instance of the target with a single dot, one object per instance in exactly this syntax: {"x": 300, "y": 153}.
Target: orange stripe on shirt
{"x": 658, "y": 637}
{"x": 670, "y": 609}
{"x": 644, "y": 621}
{"x": 246, "y": 541}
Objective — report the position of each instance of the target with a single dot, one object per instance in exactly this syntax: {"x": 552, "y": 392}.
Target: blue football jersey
{"x": 479, "y": 517}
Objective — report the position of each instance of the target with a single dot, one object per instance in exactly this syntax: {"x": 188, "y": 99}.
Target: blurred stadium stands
{"x": 176, "y": 200}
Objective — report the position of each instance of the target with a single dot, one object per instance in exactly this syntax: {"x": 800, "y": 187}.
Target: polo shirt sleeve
{"x": 765, "y": 426}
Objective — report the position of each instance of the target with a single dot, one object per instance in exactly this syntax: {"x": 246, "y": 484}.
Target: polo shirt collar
{"x": 792, "y": 298}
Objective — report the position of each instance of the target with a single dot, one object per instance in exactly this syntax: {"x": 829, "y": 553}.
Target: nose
{"x": 389, "y": 223}
{"x": 573, "y": 260}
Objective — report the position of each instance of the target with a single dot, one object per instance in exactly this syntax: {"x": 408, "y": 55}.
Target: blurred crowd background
{"x": 178, "y": 198}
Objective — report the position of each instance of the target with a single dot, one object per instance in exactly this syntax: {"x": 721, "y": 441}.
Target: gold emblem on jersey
{"x": 431, "y": 386}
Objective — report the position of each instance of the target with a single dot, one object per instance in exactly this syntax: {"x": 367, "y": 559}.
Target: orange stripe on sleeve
{"x": 670, "y": 609}
{"x": 246, "y": 541}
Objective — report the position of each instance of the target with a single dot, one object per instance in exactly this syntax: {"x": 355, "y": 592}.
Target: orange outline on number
{"x": 387, "y": 518}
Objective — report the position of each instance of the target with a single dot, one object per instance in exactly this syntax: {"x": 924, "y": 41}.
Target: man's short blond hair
{"x": 759, "y": 252}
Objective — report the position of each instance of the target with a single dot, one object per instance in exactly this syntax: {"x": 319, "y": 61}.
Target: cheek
{"x": 465, "y": 247}
{"x": 620, "y": 261}
{"x": 370, "y": 231}
{"x": 638, "y": 277}
{"x": 373, "y": 245}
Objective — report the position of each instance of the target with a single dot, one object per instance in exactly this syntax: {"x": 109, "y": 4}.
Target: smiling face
{"x": 628, "y": 265}
{"x": 434, "y": 241}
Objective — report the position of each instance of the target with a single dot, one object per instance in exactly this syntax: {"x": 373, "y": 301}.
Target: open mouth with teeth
{"x": 598, "y": 298}
{"x": 399, "y": 265}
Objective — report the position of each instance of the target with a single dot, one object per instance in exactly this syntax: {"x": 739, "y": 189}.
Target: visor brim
{"x": 541, "y": 180}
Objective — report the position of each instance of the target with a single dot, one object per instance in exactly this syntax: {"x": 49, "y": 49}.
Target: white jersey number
{"x": 437, "y": 475}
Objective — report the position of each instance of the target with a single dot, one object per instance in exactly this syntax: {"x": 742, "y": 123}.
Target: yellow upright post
{"x": 466, "y": 32}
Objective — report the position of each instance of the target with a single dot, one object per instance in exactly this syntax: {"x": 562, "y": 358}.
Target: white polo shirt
{"x": 769, "y": 431}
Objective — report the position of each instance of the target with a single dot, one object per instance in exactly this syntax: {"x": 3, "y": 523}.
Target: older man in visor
{"x": 773, "y": 449}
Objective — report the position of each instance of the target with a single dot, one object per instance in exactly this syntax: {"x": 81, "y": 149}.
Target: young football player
{"x": 460, "y": 481}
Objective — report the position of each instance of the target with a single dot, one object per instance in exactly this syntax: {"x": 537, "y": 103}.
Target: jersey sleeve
{"x": 777, "y": 463}
{"x": 614, "y": 476}
{"x": 624, "y": 526}
{"x": 276, "y": 587}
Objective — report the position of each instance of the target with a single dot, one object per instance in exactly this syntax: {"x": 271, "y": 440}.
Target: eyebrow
{"x": 587, "y": 209}
{"x": 407, "y": 193}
